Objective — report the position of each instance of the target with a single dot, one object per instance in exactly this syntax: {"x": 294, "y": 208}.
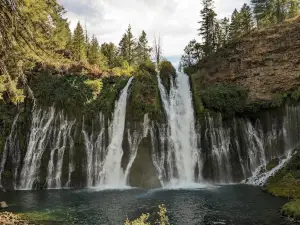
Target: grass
{"x": 272, "y": 164}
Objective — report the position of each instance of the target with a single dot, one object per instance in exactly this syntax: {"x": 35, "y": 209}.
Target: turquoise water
{"x": 227, "y": 205}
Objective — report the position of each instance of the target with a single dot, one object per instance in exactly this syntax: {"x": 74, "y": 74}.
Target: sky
{"x": 175, "y": 21}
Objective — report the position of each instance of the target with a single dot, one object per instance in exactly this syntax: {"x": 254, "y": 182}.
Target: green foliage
{"x": 145, "y": 96}
{"x": 105, "y": 102}
{"x": 272, "y": 164}
{"x": 167, "y": 72}
{"x": 226, "y": 98}
{"x": 292, "y": 209}
{"x": 206, "y": 30}
{"x": 296, "y": 94}
{"x": 143, "y": 219}
{"x": 124, "y": 70}
{"x": 110, "y": 51}
{"x": 198, "y": 104}
{"x": 127, "y": 46}
{"x": 79, "y": 44}
{"x": 274, "y": 11}
{"x": 284, "y": 182}
{"x": 95, "y": 86}
{"x": 142, "y": 49}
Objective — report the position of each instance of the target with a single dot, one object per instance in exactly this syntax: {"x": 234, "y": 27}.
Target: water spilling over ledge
{"x": 179, "y": 151}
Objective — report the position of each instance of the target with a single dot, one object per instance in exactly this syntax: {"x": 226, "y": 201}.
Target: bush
{"x": 284, "y": 182}
{"x": 95, "y": 86}
{"x": 292, "y": 209}
{"x": 144, "y": 96}
{"x": 226, "y": 98}
{"x": 166, "y": 72}
{"x": 143, "y": 220}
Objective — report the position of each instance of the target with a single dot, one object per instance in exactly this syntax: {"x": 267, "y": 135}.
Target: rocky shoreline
{"x": 8, "y": 218}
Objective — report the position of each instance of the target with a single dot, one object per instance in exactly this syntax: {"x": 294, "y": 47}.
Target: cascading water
{"x": 11, "y": 148}
{"x": 112, "y": 174}
{"x": 60, "y": 136}
{"x": 39, "y": 136}
{"x": 182, "y": 154}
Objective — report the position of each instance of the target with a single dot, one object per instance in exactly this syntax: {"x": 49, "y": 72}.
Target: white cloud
{"x": 176, "y": 21}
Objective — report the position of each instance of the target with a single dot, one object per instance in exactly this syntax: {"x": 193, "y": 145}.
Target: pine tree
{"x": 127, "y": 46}
{"x": 261, "y": 10}
{"x": 246, "y": 19}
{"x": 110, "y": 51}
{"x": 293, "y": 8}
{"x": 193, "y": 53}
{"x": 235, "y": 30}
{"x": 207, "y": 29}
{"x": 94, "y": 51}
{"x": 79, "y": 44}
{"x": 225, "y": 30}
{"x": 142, "y": 49}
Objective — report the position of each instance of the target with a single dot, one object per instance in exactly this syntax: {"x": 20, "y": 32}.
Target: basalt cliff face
{"x": 266, "y": 62}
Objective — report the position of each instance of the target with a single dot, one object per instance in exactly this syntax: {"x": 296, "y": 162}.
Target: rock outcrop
{"x": 266, "y": 62}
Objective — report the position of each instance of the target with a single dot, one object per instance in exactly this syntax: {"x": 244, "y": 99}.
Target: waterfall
{"x": 95, "y": 147}
{"x": 61, "y": 132}
{"x": 11, "y": 148}
{"x": 182, "y": 155}
{"x": 38, "y": 139}
{"x": 112, "y": 174}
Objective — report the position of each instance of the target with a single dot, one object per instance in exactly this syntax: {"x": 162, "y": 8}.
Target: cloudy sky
{"x": 174, "y": 20}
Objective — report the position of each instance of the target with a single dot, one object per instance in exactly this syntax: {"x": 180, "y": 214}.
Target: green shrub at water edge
{"x": 226, "y": 98}
{"x": 292, "y": 209}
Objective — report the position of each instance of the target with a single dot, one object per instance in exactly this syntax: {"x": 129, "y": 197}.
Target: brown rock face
{"x": 266, "y": 62}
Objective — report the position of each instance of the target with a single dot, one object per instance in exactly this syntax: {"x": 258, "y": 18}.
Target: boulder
{"x": 3, "y": 205}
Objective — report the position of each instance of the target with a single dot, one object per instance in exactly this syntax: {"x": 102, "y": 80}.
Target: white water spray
{"x": 39, "y": 136}
{"x": 112, "y": 174}
{"x": 183, "y": 155}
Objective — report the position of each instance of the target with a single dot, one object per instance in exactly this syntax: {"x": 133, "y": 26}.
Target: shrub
{"x": 226, "y": 98}
{"x": 292, "y": 209}
{"x": 143, "y": 220}
{"x": 144, "y": 96}
{"x": 95, "y": 86}
{"x": 166, "y": 72}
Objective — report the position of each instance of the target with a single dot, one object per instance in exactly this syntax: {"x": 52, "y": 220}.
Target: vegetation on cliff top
{"x": 144, "y": 98}
{"x": 166, "y": 72}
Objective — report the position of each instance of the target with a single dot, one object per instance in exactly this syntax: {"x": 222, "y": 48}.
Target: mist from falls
{"x": 182, "y": 154}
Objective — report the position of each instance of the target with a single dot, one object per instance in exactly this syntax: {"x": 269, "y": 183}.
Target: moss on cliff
{"x": 145, "y": 96}
{"x": 78, "y": 94}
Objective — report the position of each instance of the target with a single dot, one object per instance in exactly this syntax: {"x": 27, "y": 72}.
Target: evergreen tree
{"x": 110, "y": 51}
{"x": 127, "y": 46}
{"x": 246, "y": 19}
{"x": 207, "y": 28}
{"x": 193, "y": 53}
{"x": 79, "y": 44}
{"x": 225, "y": 30}
{"x": 293, "y": 8}
{"x": 142, "y": 49}
{"x": 94, "y": 51}
{"x": 260, "y": 8}
{"x": 235, "y": 30}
